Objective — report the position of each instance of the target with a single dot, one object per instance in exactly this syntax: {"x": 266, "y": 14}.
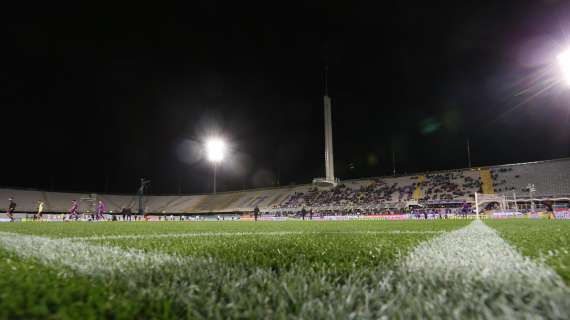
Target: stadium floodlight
{"x": 564, "y": 60}
{"x": 215, "y": 152}
{"x": 215, "y": 149}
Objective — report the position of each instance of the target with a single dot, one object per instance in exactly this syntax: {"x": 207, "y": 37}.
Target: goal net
{"x": 500, "y": 202}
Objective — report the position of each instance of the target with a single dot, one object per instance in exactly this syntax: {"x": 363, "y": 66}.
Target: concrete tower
{"x": 329, "y": 159}
{"x": 329, "y": 179}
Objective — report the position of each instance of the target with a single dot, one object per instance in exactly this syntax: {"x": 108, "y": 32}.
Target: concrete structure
{"x": 551, "y": 179}
{"x": 329, "y": 179}
{"x": 329, "y": 158}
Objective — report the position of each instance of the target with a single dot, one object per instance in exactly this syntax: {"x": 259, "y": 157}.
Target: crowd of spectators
{"x": 499, "y": 183}
{"x": 449, "y": 186}
{"x": 446, "y": 186}
{"x": 335, "y": 212}
{"x": 377, "y": 192}
{"x": 442, "y": 211}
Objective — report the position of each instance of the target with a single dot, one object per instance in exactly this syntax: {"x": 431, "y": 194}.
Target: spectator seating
{"x": 551, "y": 178}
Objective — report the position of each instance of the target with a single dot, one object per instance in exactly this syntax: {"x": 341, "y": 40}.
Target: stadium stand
{"x": 58, "y": 201}
{"x": 418, "y": 191}
{"x": 452, "y": 185}
{"x": 354, "y": 193}
{"x": 486, "y": 181}
{"x": 168, "y": 204}
{"x": 551, "y": 179}
{"x": 25, "y": 199}
{"x": 116, "y": 203}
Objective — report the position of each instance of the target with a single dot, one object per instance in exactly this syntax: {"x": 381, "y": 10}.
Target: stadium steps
{"x": 487, "y": 181}
{"x": 174, "y": 202}
{"x": 111, "y": 203}
{"x": 188, "y": 206}
{"x": 229, "y": 200}
{"x": 278, "y": 199}
{"x": 198, "y": 204}
{"x": 418, "y": 192}
{"x": 214, "y": 202}
{"x": 117, "y": 203}
{"x": 247, "y": 199}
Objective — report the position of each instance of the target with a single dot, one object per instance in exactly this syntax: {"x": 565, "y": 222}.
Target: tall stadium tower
{"x": 329, "y": 178}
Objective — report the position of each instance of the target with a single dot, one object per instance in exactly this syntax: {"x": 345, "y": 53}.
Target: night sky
{"x": 94, "y": 97}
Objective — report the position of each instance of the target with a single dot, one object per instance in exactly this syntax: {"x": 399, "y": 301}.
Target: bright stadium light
{"x": 215, "y": 152}
{"x": 564, "y": 60}
{"x": 215, "y": 149}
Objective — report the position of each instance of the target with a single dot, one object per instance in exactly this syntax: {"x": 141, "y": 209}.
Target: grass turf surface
{"x": 336, "y": 246}
{"x": 275, "y": 267}
{"x": 320, "y": 269}
{"x": 540, "y": 239}
{"x": 83, "y": 229}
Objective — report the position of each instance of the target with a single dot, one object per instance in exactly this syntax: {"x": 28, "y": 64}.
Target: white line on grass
{"x": 231, "y": 234}
{"x": 81, "y": 256}
{"x": 477, "y": 274}
{"x": 476, "y": 253}
{"x": 468, "y": 273}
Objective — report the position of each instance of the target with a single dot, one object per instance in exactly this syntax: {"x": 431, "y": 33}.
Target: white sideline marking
{"x": 83, "y": 257}
{"x": 229, "y": 234}
{"x": 476, "y": 252}
{"x": 477, "y": 270}
{"x": 92, "y": 259}
{"x": 468, "y": 273}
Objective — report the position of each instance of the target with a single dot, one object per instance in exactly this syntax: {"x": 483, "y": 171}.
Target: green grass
{"x": 277, "y": 270}
{"x": 81, "y": 229}
{"x": 541, "y": 239}
{"x": 336, "y": 246}
{"x": 339, "y": 252}
{"x": 30, "y": 290}
{"x": 251, "y": 276}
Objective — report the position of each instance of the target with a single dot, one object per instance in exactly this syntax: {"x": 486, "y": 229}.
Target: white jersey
{"x": 41, "y": 207}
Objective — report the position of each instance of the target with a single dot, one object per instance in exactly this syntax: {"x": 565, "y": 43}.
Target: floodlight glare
{"x": 215, "y": 149}
{"x": 564, "y": 60}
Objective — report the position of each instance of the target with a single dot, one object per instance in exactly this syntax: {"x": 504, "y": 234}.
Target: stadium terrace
{"x": 439, "y": 194}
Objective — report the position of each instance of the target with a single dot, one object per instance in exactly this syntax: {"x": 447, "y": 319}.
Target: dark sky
{"x": 95, "y": 97}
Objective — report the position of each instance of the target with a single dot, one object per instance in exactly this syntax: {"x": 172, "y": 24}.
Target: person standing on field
{"x": 256, "y": 213}
{"x": 100, "y": 210}
{"x": 40, "y": 213}
{"x": 74, "y": 210}
{"x": 11, "y": 209}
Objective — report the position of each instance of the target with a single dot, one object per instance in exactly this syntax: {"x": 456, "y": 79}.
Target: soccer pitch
{"x": 354, "y": 269}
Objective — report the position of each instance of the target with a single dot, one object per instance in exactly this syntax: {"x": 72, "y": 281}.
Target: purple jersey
{"x": 101, "y": 208}
{"x": 74, "y": 207}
